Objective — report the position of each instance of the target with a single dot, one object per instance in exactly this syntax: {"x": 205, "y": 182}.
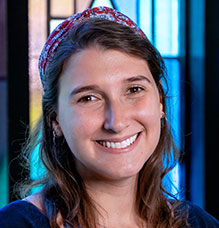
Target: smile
{"x": 119, "y": 145}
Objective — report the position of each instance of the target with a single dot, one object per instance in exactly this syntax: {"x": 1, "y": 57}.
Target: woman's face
{"x": 109, "y": 111}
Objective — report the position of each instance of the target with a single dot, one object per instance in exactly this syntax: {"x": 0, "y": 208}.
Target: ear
{"x": 56, "y": 127}
{"x": 161, "y": 100}
{"x": 161, "y": 109}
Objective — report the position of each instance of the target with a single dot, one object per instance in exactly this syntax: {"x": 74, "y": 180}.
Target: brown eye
{"x": 86, "y": 99}
{"x": 135, "y": 89}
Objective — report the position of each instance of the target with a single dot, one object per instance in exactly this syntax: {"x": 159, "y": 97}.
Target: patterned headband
{"x": 62, "y": 30}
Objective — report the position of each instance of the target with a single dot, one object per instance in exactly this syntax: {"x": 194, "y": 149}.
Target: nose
{"x": 116, "y": 118}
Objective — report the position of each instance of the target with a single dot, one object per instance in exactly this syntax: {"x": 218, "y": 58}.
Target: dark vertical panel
{"x": 18, "y": 94}
{"x": 3, "y": 39}
{"x": 212, "y": 106}
{"x": 195, "y": 113}
{"x": 3, "y": 106}
{"x": 182, "y": 48}
{"x": 153, "y": 21}
{"x": 202, "y": 107}
{"x": 187, "y": 119}
{"x": 48, "y": 16}
{"x": 75, "y": 6}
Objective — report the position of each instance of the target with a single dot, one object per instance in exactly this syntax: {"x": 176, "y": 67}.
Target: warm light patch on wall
{"x": 37, "y": 37}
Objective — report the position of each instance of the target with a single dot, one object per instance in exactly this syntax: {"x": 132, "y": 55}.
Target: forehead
{"x": 98, "y": 64}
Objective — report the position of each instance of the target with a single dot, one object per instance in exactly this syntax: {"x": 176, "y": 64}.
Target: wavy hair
{"x": 61, "y": 181}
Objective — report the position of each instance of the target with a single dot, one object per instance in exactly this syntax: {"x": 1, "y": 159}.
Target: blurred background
{"x": 186, "y": 32}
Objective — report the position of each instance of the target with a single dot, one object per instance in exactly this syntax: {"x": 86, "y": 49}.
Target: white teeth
{"x": 119, "y": 145}
{"x": 124, "y": 144}
{"x": 112, "y": 145}
{"x": 108, "y": 144}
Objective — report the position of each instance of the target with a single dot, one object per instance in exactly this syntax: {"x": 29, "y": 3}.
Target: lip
{"x": 120, "y": 150}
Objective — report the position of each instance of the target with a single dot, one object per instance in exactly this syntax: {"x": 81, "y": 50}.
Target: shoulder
{"x": 22, "y": 214}
{"x": 200, "y": 218}
{"x": 197, "y": 217}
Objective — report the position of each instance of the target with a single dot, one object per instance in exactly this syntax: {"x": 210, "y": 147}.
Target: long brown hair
{"x": 61, "y": 181}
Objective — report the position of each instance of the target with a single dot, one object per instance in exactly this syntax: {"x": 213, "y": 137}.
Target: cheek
{"x": 78, "y": 125}
{"x": 148, "y": 110}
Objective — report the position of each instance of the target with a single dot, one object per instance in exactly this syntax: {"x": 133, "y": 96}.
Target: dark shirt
{"x": 22, "y": 214}
{"x": 199, "y": 218}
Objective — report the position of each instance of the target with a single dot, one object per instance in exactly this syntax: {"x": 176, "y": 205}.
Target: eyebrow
{"x": 138, "y": 78}
{"x": 78, "y": 90}
{"x": 84, "y": 89}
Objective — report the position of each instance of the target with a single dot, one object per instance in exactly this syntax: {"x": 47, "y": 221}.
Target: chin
{"x": 121, "y": 174}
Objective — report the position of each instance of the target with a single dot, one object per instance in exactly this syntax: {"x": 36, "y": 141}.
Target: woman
{"x": 104, "y": 132}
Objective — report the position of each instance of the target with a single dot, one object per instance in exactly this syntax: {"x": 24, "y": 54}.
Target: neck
{"x": 115, "y": 201}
